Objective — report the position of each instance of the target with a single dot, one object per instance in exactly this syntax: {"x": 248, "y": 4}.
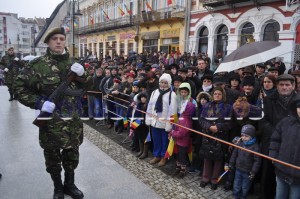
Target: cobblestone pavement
{"x": 159, "y": 179}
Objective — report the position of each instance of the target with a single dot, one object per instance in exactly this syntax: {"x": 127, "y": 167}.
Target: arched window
{"x": 203, "y": 40}
{"x": 246, "y": 32}
{"x": 271, "y": 31}
{"x": 222, "y": 39}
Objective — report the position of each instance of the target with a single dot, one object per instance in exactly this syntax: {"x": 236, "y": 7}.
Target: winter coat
{"x": 284, "y": 145}
{"x": 212, "y": 149}
{"x": 169, "y": 109}
{"x": 182, "y": 135}
{"x": 274, "y": 110}
{"x": 245, "y": 161}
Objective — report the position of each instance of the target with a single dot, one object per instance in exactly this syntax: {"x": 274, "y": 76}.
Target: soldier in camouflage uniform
{"x": 60, "y": 138}
{"x": 9, "y": 63}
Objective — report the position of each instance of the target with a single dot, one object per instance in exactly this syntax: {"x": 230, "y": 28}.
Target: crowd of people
{"x": 244, "y": 105}
{"x": 161, "y": 96}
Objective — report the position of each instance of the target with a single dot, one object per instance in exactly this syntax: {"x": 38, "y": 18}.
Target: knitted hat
{"x": 183, "y": 70}
{"x": 135, "y": 83}
{"x": 116, "y": 80}
{"x": 209, "y": 77}
{"x": 249, "y": 129}
{"x": 235, "y": 76}
{"x": 130, "y": 75}
{"x": 177, "y": 78}
{"x": 249, "y": 81}
{"x": 219, "y": 80}
{"x": 166, "y": 77}
{"x": 54, "y": 31}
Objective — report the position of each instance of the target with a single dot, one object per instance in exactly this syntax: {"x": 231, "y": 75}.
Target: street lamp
{"x": 74, "y": 14}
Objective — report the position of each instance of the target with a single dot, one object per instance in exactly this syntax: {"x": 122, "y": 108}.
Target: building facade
{"x": 18, "y": 33}
{"x": 219, "y": 27}
{"x": 124, "y": 26}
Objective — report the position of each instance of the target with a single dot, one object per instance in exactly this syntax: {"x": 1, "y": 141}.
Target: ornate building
{"x": 218, "y": 27}
{"x": 110, "y": 27}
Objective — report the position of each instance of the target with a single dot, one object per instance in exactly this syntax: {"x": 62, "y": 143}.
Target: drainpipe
{"x": 188, "y": 5}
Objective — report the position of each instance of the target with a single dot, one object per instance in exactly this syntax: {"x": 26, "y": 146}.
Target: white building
{"x": 18, "y": 33}
{"x": 219, "y": 27}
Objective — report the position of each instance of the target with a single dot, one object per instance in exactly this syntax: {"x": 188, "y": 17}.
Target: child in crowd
{"x": 138, "y": 126}
{"x": 181, "y": 135}
{"x": 246, "y": 164}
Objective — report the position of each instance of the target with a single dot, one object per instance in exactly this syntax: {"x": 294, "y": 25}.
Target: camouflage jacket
{"x": 7, "y": 61}
{"x": 40, "y": 78}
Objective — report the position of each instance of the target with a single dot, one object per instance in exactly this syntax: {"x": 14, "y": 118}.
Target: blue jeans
{"x": 91, "y": 106}
{"x": 287, "y": 191}
{"x": 120, "y": 113}
{"x": 98, "y": 107}
{"x": 160, "y": 142}
{"x": 241, "y": 185}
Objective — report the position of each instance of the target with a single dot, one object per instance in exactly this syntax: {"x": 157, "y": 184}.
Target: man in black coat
{"x": 285, "y": 147}
{"x": 275, "y": 108}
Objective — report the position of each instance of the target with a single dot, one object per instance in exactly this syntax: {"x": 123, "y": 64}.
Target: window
{"x": 222, "y": 39}
{"x": 150, "y": 45}
{"x": 203, "y": 40}
{"x": 271, "y": 31}
{"x": 247, "y": 32}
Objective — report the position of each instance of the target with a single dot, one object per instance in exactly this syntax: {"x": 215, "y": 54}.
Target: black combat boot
{"x": 70, "y": 188}
{"x": 58, "y": 187}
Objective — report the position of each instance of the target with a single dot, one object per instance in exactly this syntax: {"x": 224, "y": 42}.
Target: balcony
{"x": 111, "y": 24}
{"x": 211, "y": 5}
{"x": 170, "y": 13}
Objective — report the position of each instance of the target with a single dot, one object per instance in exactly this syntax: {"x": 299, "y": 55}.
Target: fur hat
{"x": 54, "y": 31}
{"x": 204, "y": 95}
{"x": 249, "y": 81}
{"x": 241, "y": 107}
{"x": 166, "y": 77}
{"x": 249, "y": 129}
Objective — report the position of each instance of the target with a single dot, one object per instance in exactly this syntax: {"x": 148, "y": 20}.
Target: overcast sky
{"x": 29, "y": 8}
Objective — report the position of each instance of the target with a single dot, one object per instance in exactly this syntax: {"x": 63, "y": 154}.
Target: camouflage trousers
{"x": 61, "y": 140}
{"x": 54, "y": 159}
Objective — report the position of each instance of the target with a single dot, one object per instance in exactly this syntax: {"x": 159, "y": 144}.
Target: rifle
{"x": 42, "y": 118}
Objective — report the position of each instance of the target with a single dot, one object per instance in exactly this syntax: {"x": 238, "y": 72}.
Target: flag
{"x": 148, "y": 138}
{"x": 75, "y": 23}
{"x": 121, "y": 11}
{"x": 148, "y": 6}
{"x": 170, "y": 148}
{"x": 105, "y": 14}
{"x": 190, "y": 152}
{"x": 128, "y": 11}
{"x": 125, "y": 122}
{"x": 169, "y": 2}
{"x": 174, "y": 118}
{"x": 136, "y": 124}
{"x": 91, "y": 20}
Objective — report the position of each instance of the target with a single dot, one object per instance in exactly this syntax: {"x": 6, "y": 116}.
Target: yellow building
{"x": 114, "y": 27}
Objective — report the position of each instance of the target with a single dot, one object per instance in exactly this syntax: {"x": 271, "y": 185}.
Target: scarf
{"x": 206, "y": 88}
{"x": 159, "y": 102}
{"x": 250, "y": 142}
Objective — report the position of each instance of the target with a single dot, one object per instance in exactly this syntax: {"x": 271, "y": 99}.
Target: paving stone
{"x": 158, "y": 178}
